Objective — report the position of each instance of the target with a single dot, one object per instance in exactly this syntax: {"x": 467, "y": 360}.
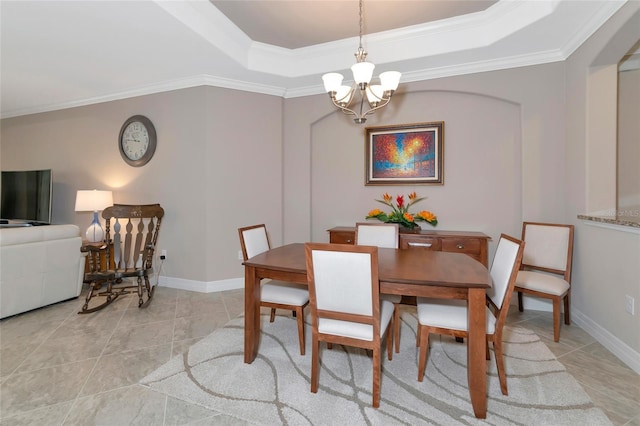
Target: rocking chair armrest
{"x": 85, "y": 248}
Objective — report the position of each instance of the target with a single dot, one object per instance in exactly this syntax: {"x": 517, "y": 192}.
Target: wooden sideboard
{"x": 474, "y": 244}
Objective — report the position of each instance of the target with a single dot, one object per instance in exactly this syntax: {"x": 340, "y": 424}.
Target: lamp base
{"x": 95, "y": 233}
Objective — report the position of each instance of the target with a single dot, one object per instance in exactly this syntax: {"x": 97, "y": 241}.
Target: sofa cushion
{"x": 34, "y": 234}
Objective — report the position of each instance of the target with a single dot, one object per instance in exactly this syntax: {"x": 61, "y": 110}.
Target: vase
{"x": 406, "y": 230}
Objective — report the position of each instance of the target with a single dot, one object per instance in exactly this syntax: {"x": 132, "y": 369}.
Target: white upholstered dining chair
{"x": 382, "y": 235}
{"x": 345, "y": 303}
{"x": 546, "y": 267}
{"x": 275, "y": 294}
{"x": 449, "y": 316}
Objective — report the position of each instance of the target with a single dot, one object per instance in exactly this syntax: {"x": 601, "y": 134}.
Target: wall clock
{"x": 137, "y": 141}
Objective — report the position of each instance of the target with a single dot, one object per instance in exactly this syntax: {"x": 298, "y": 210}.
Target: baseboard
{"x": 608, "y": 340}
{"x": 200, "y": 286}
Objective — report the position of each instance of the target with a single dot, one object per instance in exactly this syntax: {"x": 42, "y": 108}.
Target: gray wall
{"x": 214, "y": 169}
{"x": 516, "y": 148}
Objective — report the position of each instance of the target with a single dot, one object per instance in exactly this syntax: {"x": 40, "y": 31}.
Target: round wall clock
{"x": 137, "y": 141}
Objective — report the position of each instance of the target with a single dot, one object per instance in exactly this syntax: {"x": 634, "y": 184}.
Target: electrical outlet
{"x": 163, "y": 254}
{"x": 629, "y": 303}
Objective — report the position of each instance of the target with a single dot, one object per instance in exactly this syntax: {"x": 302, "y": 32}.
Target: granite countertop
{"x": 631, "y": 221}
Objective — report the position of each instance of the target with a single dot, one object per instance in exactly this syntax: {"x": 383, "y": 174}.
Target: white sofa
{"x": 39, "y": 265}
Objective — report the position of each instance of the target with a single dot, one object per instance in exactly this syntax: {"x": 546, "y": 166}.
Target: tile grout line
{"x": 78, "y": 395}
{"x": 42, "y": 342}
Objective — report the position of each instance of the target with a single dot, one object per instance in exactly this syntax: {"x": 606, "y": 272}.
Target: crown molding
{"x": 425, "y": 50}
{"x": 184, "y": 83}
{"x": 473, "y": 31}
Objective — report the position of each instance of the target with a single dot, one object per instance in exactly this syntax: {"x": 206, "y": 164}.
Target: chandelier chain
{"x": 361, "y": 6}
{"x": 361, "y": 54}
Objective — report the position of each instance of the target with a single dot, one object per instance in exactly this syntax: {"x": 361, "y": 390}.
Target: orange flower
{"x": 375, "y": 212}
{"x": 387, "y": 198}
{"x": 408, "y": 217}
{"x": 413, "y": 196}
{"x": 427, "y": 216}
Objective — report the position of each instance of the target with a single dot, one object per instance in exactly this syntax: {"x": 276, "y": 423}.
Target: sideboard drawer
{"x": 416, "y": 241}
{"x": 463, "y": 245}
{"x": 342, "y": 237}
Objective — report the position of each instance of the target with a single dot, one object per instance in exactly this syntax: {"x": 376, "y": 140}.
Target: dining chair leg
{"x": 567, "y": 311}
{"x": 376, "y": 377}
{"x": 497, "y": 348}
{"x": 273, "y": 315}
{"x": 520, "y": 306}
{"x": 300, "y": 321}
{"x": 396, "y": 325}
{"x": 315, "y": 345}
{"x": 424, "y": 349}
{"x": 390, "y": 343}
{"x": 487, "y": 349}
{"x": 556, "y": 319}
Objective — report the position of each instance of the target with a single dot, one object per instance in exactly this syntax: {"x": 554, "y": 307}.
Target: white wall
{"x": 606, "y": 264}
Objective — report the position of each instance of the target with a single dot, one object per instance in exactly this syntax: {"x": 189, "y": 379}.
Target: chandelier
{"x": 377, "y": 95}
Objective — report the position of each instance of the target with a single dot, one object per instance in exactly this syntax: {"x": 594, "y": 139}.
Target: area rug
{"x": 275, "y": 388}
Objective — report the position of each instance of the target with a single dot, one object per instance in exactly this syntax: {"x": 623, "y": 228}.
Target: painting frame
{"x": 387, "y": 154}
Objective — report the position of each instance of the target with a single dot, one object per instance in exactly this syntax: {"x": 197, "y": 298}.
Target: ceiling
{"x": 61, "y": 54}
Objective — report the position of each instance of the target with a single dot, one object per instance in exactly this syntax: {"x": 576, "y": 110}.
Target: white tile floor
{"x": 58, "y": 367}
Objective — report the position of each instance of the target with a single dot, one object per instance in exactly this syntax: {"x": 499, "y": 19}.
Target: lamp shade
{"x": 374, "y": 94}
{"x": 343, "y": 95}
{"x": 332, "y": 81}
{"x": 93, "y": 200}
{"x": 362, "y": 72}
{"x": 390, "y": 80}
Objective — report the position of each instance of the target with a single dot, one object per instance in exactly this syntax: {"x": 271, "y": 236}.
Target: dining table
{"x": 407, "y": 272}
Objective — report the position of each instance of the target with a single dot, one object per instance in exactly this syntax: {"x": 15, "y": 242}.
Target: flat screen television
{"x": 26, "y": 196}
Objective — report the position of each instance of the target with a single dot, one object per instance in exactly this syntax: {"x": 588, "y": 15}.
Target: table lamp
{"x": 93, "y": 200}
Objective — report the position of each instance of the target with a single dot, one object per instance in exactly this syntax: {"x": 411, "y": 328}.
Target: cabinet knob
{"x": 460, "y": 246}
{"x": 349, "y": 241}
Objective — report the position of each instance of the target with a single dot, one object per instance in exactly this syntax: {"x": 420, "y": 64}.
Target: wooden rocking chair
{"x": 131, "y": 233}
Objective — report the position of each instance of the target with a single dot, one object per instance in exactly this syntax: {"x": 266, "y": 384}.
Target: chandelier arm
{"x": 344, "y": 109}
{"x": 374, "y": 109}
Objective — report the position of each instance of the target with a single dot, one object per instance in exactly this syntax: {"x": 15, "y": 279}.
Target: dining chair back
{"x": 383, "y": 235}
{"x": 546, "y": 267}
{"x": 377, "y": 234}
{"x": 254, "y": 240}
{"x": 449, "y": 317}
{"x": 346, "y": 308}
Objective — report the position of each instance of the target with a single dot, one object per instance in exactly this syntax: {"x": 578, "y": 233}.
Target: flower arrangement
{"x": 400, "y": 212}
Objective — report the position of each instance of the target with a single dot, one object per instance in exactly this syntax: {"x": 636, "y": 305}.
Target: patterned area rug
{"x": 275, "y": 388}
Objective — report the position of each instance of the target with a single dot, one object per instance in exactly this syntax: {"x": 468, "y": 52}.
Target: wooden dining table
{"x": 410, "y": 272}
